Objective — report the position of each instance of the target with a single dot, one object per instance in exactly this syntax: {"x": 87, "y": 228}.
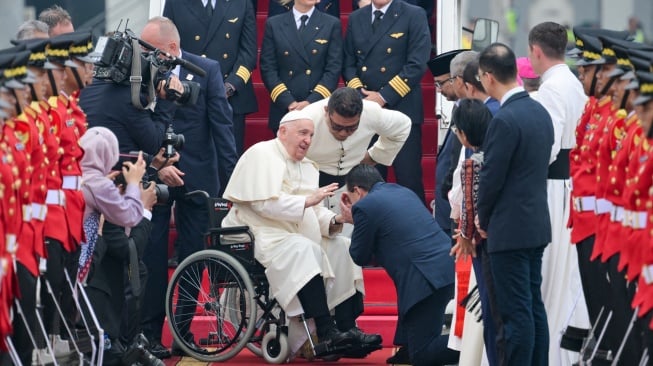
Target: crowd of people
{"x": 548, "y": 190}
{"x": 550, "y": 196}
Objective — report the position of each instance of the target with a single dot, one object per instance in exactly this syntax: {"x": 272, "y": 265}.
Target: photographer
{"x": 209, "y": 154}
{"x": 109, "y": 208}
{"x": 109, "y": 104}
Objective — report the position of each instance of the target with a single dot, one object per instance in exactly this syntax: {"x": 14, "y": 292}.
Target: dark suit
{"x": 208, "y": 154}
{"x": 109, "y": 105}
{"x": 331, "y": 7}
{"x": 512, "y": 208}
{"x": 392, "y": 226}
{"x": 442, "y": 209}
{"x": 228, "y": 37}
{"x": 392, "y": 61}
{"x": 300, "y": 66}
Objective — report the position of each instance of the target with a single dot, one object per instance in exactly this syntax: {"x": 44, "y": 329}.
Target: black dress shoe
{"x": 364, "y": 338}
{"x": 400, "y": 357}
{"x": 157, "y": 350}
{"x": 334, "y": 337}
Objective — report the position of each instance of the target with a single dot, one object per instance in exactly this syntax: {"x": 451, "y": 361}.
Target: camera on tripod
{"x": 161, "y": 190}
{"x": 120, "y": 59}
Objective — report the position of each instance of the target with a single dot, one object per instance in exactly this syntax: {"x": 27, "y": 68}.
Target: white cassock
{"x": 563, "y": 97}
{"x": 268, "y": 190}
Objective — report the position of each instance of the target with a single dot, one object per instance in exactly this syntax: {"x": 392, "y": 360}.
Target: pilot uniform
{"x": 390, "y": 57}
{"x": 300, "y": 65}
{"x": 226, "y": 34}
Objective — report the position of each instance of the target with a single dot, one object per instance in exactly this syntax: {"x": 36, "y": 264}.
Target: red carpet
{"x": 247, "y": 358}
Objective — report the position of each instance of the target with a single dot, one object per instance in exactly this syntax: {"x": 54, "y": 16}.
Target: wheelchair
{"x": 217, "y": 301}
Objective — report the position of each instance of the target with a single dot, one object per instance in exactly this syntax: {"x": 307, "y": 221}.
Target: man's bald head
{"x": 162, "y": 33}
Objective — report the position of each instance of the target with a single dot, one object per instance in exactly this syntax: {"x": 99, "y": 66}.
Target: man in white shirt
{"x": 344, "y": 127}
{"x": 562, "y": 95}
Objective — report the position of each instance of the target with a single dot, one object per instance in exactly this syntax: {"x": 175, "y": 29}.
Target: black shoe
{"x": 157, "y": 350}
{"x": 400, "y": 357}
{"x": 334, "y": 337}
{"x": 178, "y": 351}
{"x": 364, "y": 338}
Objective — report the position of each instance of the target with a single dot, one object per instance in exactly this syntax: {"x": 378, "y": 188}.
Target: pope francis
{"x": 274, "y": 190}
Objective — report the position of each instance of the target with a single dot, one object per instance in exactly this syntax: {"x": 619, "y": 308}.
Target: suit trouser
{"x": 191, "y": 218}
{"x": 484, "y": 284}
{"x": 239, "y": 135}
{"x": 422, "y": 326}
{"x": 408, "y": 163}
{"x": 517, "y": 278}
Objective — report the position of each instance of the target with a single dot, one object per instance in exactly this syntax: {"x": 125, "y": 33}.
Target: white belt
{"x": 603, "y": 206}
{"x": 635, "y": 219}
{"x": 27, "y": 213}
{"x": 39, "y": 211}
{"x": 647, "y": 272}
{"x": 55, "y": 197}
{"x": 72, "y": 182}
{"x": 10, "y": 243}
{"x": 587, "y": 203}
{"x": 617, "y": 214}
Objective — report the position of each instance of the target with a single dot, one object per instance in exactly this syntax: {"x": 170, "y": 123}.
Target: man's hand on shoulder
{"x": 373, "y": 96}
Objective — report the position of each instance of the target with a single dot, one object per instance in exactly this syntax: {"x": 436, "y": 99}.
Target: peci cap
{"x": 645, "y": 87}
{"x": 295, "y": 116}
{"x": 439, "y": 65}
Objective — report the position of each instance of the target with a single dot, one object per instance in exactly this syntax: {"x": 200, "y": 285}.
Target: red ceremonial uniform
{"x": 598, "y": 152}
{"x": 69, "y": 167}
{"x": 582, "y": 219}
{"x": 627, "y": 137}
{"x": 21, "y": 171}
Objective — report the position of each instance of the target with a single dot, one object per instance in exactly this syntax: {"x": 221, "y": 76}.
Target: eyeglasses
{"x": 478, "y": 76}
{"x": 337, "y": 128}
{"x": 439, "y": 84}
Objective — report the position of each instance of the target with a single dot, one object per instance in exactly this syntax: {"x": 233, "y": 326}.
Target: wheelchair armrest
{"x": 232, "y": 231}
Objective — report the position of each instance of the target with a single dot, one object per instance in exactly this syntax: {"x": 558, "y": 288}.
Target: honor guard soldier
{"x": 301, "y": 59}
{"x": 21, "y": 247}
{"x": 224, "y": 31}
{"x": 387, "y": 47}
{"x": 9, "y": 210}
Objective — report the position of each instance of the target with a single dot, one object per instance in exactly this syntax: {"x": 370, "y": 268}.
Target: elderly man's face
{"x": 296, "y": 137}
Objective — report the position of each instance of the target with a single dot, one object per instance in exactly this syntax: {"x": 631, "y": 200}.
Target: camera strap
{"x": 136, "y": 79}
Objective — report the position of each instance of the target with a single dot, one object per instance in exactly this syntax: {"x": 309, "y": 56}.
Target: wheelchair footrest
{"x": 346, "y": 350}
{"x": 214, "y": 339}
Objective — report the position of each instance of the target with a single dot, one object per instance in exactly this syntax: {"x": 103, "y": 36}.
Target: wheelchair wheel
{"x": 275, "y": 350}
{"x": 198, "y": 302}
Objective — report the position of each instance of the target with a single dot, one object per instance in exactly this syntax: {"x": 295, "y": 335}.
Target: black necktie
{"x": 377, "y": 19}
{"x": 209, "y": 8}
{"x": 304, "y": 19}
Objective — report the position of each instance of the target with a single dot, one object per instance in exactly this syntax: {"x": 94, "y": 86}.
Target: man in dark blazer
{"x": 300, "y": 64}
{"x": 225, "y": 31}
{"x": 392, "y": 226}
{"x": 512, "y": 208}
{"x": 439, "y": 67}
{"x": 209, "y": 147}
{"x": 387, "y": 46}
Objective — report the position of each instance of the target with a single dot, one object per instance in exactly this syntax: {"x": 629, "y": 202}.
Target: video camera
{"x": 121, "y": 60}
{"x": 161, "y": 190}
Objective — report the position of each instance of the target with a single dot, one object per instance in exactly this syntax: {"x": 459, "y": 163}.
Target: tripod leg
{"x": 82, "y": 316}
{"x": 623, "y": 343}
{"x": 12, "y": 352}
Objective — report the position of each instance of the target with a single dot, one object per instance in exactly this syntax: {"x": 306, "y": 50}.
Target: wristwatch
{"x": 334, "y": 222}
